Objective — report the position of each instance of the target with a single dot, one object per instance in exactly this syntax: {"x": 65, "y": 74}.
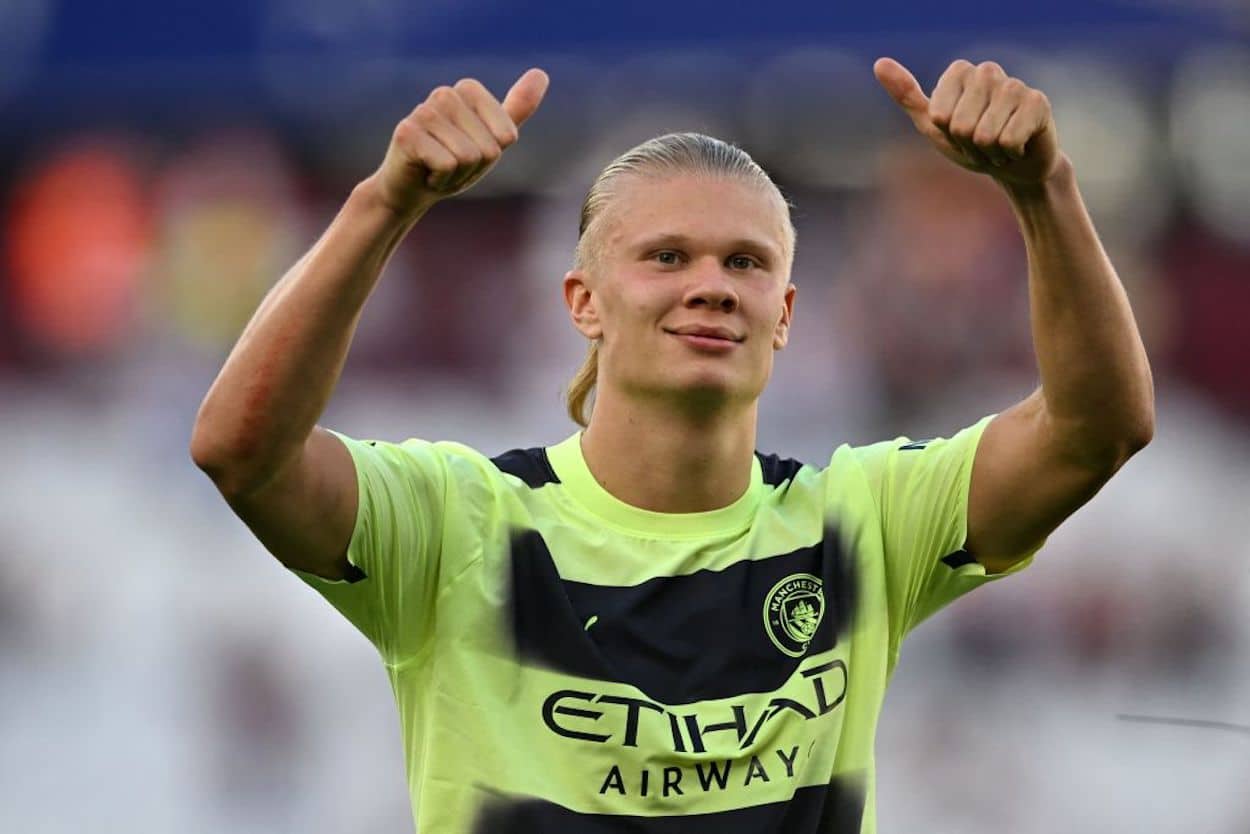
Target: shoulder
{"x": 849, "y": 471}
{"x": 447, "y": 462}
{"x": 785, "y": 473}
{"x": 531, "y": 466}
{"x": 457, "y": 461}
{"x": 776, "y": 470}
{"x": 906, "y": 464}
{"x": 779, "y": 471}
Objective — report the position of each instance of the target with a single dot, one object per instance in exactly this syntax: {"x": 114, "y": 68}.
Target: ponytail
{"x": 582, "y": 385}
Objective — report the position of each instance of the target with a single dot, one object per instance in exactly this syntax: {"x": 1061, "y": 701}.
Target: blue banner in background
{"x": 94, "y": 33}
{"x": 131, "y": 53}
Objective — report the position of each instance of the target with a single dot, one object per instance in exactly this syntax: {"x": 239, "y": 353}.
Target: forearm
{"x": 281, "y": 373}
{"x": 1096, "y": 382}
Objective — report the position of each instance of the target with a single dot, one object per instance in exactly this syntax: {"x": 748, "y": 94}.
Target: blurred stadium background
{"x": 161, "y": 164}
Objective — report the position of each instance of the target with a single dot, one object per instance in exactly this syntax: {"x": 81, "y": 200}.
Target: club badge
{"x": 792, "y": 612}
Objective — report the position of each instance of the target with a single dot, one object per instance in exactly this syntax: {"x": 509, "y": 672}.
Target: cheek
{"x": 765, "y": 310}
{"x": 641, "y": 305}
{"x": 626, "y": 316}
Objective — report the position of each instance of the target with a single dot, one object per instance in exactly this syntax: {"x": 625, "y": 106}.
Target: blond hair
{"x": 668, "y": 155}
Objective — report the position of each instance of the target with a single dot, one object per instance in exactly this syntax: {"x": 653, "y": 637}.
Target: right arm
{"x": 290, "y": 481}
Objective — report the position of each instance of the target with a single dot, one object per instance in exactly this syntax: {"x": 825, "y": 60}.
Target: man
{"x": 650, "y": 626}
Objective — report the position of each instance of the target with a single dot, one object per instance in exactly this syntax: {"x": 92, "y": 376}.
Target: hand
{"x": 980, "y": 118}
{"x": 452, "y": 139}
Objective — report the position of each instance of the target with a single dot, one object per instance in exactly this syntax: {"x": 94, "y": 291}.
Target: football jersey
{"x": 563, "y": 661}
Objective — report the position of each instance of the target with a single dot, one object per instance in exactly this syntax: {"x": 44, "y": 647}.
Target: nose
{"x": 712, "y": 287}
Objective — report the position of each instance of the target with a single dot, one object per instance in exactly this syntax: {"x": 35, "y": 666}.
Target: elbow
{"x": 1142, "y": 433}
{"x": 1133, "y": 427}
{"x": 208, "y": 456}
{"x": 1130, "y": 420}
{"x": 1103, "y": 449}
{"x": 228, "y": 470}
{"x": 202, "y": 449}
{"x": 1135, "y": 436}
{"x": 1143, "y": 425}
{"x": 236, "y": 467}
{"x": 208, "y": 447}
{"x": 1140, "y": 429}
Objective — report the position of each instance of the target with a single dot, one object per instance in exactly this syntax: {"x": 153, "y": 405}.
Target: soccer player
{"x": 651, "y": 626}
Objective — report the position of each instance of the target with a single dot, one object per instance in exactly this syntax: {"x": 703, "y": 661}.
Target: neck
{"x": 651, "y": 457}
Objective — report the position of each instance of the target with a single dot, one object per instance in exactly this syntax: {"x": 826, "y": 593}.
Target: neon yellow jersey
{"x": 563, "y": 661}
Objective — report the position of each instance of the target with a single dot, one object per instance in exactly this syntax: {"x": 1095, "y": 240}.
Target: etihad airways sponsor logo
{"x": 566, "y": 712}
{"x": 705, "y": 776}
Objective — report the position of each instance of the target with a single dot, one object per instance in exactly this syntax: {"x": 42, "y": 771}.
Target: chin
{"x": 714, "y": 388}
{"x": 708, "y": 384}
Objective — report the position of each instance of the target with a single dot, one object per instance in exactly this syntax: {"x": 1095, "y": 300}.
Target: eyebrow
{"x": 743, "y": 244}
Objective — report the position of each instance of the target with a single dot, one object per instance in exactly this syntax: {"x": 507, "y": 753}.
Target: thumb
{"x": 905, "y": 90}
{"x": 525, "y": 96}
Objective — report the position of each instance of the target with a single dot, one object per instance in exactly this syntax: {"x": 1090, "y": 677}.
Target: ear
{"x": 781, "y": 334}
{"x": 581, "y": 304}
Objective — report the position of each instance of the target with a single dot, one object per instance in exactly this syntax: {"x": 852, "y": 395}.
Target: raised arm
{"x": 290, "y": 481}
{"x": 1044, "y": 457}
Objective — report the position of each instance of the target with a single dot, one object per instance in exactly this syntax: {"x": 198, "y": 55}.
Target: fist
{"x": 452, "y": 139}
{"x": 980, "y": 118}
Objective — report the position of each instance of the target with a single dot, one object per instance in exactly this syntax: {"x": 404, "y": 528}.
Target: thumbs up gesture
{"x": 980, "y": 118}
{"x": 452, "y": 139}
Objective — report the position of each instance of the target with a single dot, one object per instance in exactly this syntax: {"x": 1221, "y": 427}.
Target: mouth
{"x": 707, "y": 341}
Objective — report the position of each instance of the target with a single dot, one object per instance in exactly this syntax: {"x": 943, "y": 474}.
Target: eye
{"x": 667, "y": 257}
{"x": 742, "y": 261}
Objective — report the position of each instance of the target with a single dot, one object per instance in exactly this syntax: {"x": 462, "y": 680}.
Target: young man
{"x": 650, "y": 626}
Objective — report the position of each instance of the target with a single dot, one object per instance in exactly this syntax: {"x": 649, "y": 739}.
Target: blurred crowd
{"x": 161, "y": 673}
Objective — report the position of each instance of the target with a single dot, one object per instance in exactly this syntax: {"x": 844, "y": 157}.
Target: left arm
{"x": 1044, "y": 457}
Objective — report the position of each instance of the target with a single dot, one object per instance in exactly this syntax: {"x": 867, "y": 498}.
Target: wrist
{"x": 371, "y": 193}
{"x": 1061, "y": 177}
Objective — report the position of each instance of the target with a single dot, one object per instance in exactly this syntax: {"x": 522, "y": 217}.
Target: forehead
{"x": 707, "y": 209}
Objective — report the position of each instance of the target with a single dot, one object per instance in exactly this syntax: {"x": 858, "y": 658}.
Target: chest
{"x": 743, "y": 625}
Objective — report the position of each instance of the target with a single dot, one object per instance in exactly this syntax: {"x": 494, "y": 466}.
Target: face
{"x": 689, "y": 290}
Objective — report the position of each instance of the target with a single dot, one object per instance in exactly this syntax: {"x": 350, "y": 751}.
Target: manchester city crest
{"x": 792, "y": 612}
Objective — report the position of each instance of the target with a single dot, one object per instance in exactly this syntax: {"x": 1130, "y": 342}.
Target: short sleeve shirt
{"x": 564, "y": 661}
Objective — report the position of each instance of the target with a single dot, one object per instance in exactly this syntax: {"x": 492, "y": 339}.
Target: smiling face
{"x": 688, "y": 288}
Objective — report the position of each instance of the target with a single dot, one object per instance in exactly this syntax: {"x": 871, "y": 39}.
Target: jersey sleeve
{"x": 396, "y": 546}
{"x": 921, "y": 492}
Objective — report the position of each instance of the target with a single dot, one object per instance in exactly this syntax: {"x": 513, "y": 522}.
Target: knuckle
{"x": 468, "y": 157}
{"x": 1013, "y": 85}
{"x": 1040, "y": 98}
{"x": 442, "y": 95}
{"x": 425, "y": 114}
{"x": 406, "y": 134}
{"x": 491, "y": 154}
{"x": 990, "y": 68}
{"x": 469, "y": 86}
{"x": 962, "y": 130}
{"x": 960, "y": 64}
{"x": 441, "y": 164}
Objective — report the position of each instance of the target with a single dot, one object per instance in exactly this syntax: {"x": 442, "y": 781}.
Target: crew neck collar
{"x": 570, "y": 467}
